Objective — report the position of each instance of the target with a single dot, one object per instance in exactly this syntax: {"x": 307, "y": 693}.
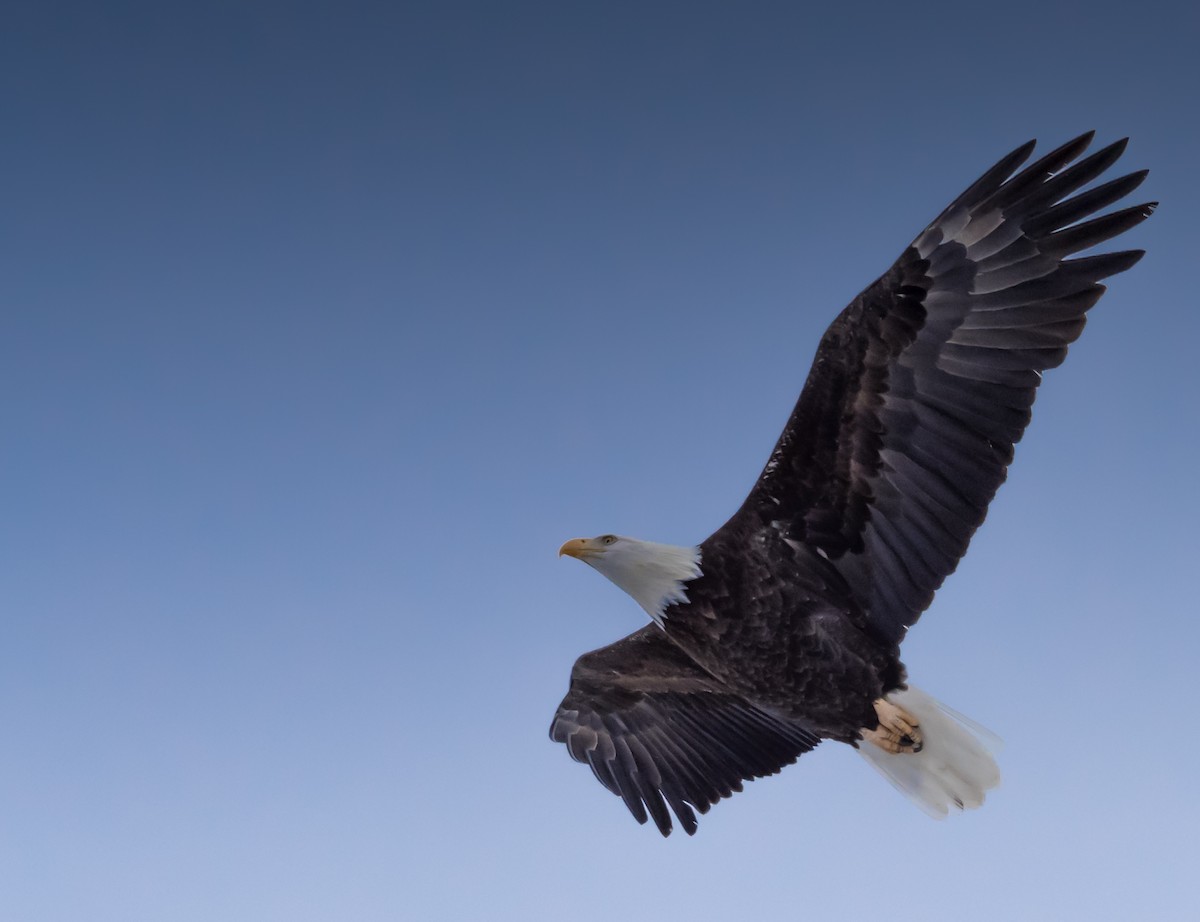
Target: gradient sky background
{"x": 324, "y": 325}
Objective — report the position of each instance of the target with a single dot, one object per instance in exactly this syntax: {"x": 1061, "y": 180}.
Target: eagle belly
{"x": 777, "y": 626}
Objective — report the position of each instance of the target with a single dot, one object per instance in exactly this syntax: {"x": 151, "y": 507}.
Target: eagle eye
{"x": 608, "y": 539}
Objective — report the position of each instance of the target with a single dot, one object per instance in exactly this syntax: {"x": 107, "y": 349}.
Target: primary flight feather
{"x": 783, "y": 627}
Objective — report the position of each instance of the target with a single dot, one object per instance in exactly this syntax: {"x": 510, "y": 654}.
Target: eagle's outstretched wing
{"x": 923, "y": 385}
{"x": 658, "y": 730}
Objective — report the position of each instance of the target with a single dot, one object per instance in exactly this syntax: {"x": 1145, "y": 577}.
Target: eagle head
{"x": 655, "y": 575}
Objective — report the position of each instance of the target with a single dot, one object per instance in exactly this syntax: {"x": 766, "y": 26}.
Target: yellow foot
{"x": 898, "y": 730}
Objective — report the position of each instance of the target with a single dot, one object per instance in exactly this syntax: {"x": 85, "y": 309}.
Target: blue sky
{"x": 324, "y": 325}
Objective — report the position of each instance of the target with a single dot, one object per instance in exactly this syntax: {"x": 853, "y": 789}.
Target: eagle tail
{"x": 955, "y": 766}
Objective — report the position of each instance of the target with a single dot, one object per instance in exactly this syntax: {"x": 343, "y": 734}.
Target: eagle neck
{"x": 655, "y": 575}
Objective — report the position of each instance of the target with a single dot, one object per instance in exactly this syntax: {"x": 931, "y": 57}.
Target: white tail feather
{"x": 955, "y": 766}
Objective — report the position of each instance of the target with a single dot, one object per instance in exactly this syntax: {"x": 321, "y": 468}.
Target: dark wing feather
{"x": 658, "y": 731}
{"x": 925, "y": 382}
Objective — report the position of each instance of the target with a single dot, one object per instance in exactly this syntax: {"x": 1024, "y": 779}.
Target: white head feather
{"x": 655, "y": 575}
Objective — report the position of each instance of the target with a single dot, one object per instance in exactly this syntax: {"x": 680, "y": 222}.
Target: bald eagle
{"x": 783, "y": 628}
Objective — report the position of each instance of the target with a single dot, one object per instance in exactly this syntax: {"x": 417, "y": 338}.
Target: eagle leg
{"x": 898, "y": 731}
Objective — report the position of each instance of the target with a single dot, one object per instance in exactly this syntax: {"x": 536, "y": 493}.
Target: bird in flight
{"x": 783, "y": 627}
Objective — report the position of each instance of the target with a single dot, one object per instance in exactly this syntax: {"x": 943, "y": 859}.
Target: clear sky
{"x": 323, "y": 325}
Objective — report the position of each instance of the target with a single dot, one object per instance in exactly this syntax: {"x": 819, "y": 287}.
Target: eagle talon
{"x": 897, "y": 730}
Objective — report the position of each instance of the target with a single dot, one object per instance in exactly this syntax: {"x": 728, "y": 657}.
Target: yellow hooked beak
{"x": 580, "y": 548}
